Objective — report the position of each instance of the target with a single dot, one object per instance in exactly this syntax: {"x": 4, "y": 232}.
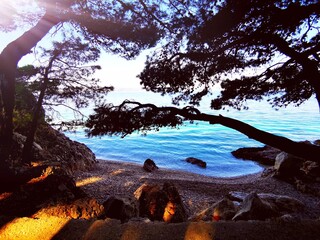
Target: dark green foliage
{"x": 65, "y": 76}
{"x": 129, "y": 117}
{"x": 24, "y": 107}
{"x": 252, "y": 48}
{"x": 115, "y": 26}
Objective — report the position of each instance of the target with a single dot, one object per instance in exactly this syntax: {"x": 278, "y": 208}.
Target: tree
{"x": 116, "y": 26}
{"x": 254, "y": 49}
{"x": 133, "y": 116}
{"x": 64, "y": 77}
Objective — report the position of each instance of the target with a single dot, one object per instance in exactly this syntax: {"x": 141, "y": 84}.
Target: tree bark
{"x": 9, "y": 59}
{"x": 299, "y": 149}
{"x": 27, "y": 149}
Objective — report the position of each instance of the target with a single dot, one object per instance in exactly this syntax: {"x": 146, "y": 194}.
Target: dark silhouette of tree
{"x": 133, "y": 116}
{"x": 64, "y": 77}
{"x": 253, "y": 49}
{"x": 115, "y": 26}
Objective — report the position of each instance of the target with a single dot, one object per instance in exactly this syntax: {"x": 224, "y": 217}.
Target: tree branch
{"x": 138, "y": 117}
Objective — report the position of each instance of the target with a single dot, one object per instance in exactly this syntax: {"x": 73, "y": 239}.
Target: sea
{"x": 211, "y": 143}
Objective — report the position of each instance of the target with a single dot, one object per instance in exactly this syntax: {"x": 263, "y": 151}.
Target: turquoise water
{"x": 211, "y": 143}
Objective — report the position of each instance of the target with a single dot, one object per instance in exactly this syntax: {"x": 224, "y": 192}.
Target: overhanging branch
{"x": 131, "y": 116}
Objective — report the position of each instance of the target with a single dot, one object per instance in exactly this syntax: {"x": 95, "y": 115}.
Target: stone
{"x": 287, "y": 166}
{"x": 281, "y": 203}
{"x": 254, "y": 208}
{"x": 121, "y": 208}
{"x": 83, "y": 208}
{"x": 196, "y": 161}
{"x": 237, "y": 196}
{"x": 311, "y": 169}
{"x": 160, "y": 203}
{"x": 149, "y": 165}
{"x": 264, "y": 155}
{"x": 225, "y": 209}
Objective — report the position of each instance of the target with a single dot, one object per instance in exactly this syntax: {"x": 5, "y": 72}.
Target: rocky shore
{"x": 67, "y": 193}
{"x": 78, "y": 216}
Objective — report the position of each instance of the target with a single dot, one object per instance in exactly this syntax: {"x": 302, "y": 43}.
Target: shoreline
{"x": 115, "y": 178}
{"x": 176, "y": 172}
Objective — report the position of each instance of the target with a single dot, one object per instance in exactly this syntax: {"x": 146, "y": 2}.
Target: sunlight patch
{"x": 87, "y": 181}
{"x": 33, "y": 229}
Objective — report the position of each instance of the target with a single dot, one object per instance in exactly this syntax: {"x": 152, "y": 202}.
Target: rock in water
{"x": 196, "y": 161}
{"x": 149, "y": 165}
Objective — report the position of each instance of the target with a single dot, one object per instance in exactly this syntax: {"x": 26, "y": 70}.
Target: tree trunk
{"x": 299, "y": 149}
{"x": 9, "y": 59}
{"x": 27, "y": 149}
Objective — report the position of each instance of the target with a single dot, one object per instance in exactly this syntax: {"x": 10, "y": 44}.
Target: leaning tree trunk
{"x": 9, "y": 59}
{"x": 299, "y": 149}
{"x": 149, "y": 115}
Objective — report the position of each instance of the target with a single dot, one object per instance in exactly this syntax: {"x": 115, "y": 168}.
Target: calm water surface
{"x": 211, "y": 143}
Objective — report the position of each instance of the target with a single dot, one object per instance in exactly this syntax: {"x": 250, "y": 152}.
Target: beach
{"x": 112, "y": 178}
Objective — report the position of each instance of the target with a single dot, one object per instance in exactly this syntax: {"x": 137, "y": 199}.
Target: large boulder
{"x": 287, "y": 166}
{"x": 83, "y": 208}
{"x": 122, "y": 208}
{"x": 160, "y": 203}
{"x": 53, "y": 186}
{"x": 281, "y": 203}
{"x": 52, "y": 147}
{"x": 254, "y": 208}
{"x": 264, "y": 155}
{"x": 61, "y": 150}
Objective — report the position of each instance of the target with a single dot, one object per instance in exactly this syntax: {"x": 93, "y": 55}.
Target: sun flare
{"x": 9, "y": 9}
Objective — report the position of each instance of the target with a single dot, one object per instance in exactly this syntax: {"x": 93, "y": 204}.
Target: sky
{"x": 116, "y": 71}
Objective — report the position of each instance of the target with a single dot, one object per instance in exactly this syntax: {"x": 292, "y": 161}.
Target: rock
{"x": 281, "y": 203}
{"x": 149, "y": 165}
{"x": 53, "y": 147}
{"x": 311, "y": 169}
{"x": 52, "y": 186}
{"x": 237, "y": 196}
{"x": 120, "y": 208}
{"x": 308, "y": 187}
{"x": 174, "y": 210}
{"x": 83, "y": 208}
{"x": 254, "y": 208}
{"x": 160, "y": 204}
{"x": 222, "y": 210}
{"x": 60, "y": 149}
{"x": 196, "y": 161}
{"x": 287, "y": 166}
{"x": 265, "y": 155}
{"x": 152, "y": 201}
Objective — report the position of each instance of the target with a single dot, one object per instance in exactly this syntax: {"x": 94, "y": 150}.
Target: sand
{"x": 110, "y": 178}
